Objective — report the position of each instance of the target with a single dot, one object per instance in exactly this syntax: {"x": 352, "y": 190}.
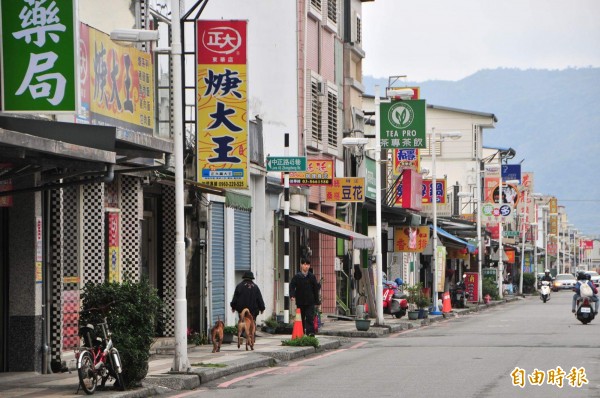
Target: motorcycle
{"x": 584, "y": 313}
{"x": 394, "y": 301}
{"x": 459, "y": 295}
{"x": 545, "y": 291}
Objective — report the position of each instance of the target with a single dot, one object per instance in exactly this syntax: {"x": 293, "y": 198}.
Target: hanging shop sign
{"x": 402, "y": 124}
{"x": 38, "y": 56}
{"x": 349, "y": 189}
{"x": 222, "y": 123}
{"x": 318, "y": 172}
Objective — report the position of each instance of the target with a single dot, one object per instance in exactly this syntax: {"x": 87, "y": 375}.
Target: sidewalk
{"x": 268, "y": 351}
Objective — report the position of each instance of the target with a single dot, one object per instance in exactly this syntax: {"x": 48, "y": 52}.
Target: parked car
{"x": 563, "y": 282}
{"x": 594, "y": 277}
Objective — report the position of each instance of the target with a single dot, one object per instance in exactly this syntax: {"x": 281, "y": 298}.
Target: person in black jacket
{"x": 304, "y": 290}
{"x": 247, "y": 295}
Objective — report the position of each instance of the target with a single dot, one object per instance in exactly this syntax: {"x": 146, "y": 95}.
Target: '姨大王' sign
{"x": 402, "y": 124}
{"x": 222, "y": 125}
{"x": 38, "y": 56}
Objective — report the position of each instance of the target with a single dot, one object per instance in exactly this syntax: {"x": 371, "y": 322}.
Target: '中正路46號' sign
{"x": 38, "y": 56}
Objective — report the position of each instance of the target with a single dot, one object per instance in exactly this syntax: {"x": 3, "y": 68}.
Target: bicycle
{"x": 98, "y": 359}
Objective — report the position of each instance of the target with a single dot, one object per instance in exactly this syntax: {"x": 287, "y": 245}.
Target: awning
{"x": 470, "y": 247}
{"x": 359, "y": 241}
{"x": 238, "y": 201}
{"x": 331, "y": 219}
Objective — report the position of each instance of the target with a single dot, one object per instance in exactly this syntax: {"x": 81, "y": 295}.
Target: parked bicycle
{"x": 98, "y": 359}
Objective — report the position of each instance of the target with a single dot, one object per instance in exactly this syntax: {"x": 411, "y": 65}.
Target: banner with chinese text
{"x": 222, "y": 122}
{"x": 318, "y": 172}
{"x": 121, "y": 83}
{"x": 349, "y": 189}
{"x": 411, "y": 239}
{"x": 38, "y": 56}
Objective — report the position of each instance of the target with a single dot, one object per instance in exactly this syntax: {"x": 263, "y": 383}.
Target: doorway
{"x": 3, "y": 287}
{"x": 149, "y": 242}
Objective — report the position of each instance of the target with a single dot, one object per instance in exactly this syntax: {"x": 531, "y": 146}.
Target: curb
{"x": 199, "y": 375}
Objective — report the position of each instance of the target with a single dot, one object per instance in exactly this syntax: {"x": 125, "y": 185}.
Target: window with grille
{"x": 332, "y": 120}
{"x": 332, "y": 10}
{"x": 358, "y": 30}
{"x": 316, "y": 4}
{"x": 475, "y": 141}
{"x": 315, "y": 111}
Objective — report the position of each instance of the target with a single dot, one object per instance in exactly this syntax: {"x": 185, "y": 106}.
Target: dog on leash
{"x": 246, "y": 324}
{"x": 216, "y": 335}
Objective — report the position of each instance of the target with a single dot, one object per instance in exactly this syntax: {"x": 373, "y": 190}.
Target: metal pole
{"x": 479, "y": 243}
{"x": 180, "y": 360}
{"x": 434, "y": 208}
{"x": 558, "y": 242}
{"x": 524, "y": 228}
{"x": 286, "y": 236}
{"x": 546, "y": 212}
{"x": 378, "y": 283}
{"x": 500, "y": 232}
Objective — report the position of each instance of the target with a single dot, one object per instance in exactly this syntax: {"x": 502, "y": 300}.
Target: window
{"x": 332, "y": 10}
{"x": 358, "y": 30}
{"x": 332, "y": 119}
{"x": 316, "y": 4}
{"x": 475, "y": 141}
{"x": 315, "y": 110}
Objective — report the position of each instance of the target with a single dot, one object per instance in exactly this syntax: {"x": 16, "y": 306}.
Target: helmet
{"x": 399, "y": 281}
{"x": 581, "y": 276}
{"x": 546, "y": 271}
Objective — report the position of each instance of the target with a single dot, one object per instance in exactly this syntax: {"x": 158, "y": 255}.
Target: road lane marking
{"x": 296, "y": 364}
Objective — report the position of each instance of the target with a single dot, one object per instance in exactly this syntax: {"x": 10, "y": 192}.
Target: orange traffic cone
{"x": 298, "y": 330}
{"x": 446, "y": 303}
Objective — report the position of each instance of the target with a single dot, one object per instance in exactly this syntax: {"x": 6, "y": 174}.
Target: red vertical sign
{"x": 471, "y": 284}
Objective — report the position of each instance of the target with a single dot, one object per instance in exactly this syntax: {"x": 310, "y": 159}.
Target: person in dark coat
{"x": 304, "y": 290}
{"x": 247, "y": 295}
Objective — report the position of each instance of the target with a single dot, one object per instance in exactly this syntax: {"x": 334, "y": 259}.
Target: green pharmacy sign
{"x": 38, "y": 56}
{"x": 402, "y": 124}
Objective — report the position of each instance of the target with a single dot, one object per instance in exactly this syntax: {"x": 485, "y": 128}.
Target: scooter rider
{"x": 581, "y": 279}
{"x": 547, "y": 276}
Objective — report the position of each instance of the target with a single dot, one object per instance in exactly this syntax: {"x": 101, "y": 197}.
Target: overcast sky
{"x": 452, "y": 39}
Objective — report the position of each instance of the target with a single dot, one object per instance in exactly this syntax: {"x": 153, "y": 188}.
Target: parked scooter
{"x": 545, "y": 291}
{"x": 459, "y": 294}
{"x": 394, "y": 301}
{"x": 584, "y": 313}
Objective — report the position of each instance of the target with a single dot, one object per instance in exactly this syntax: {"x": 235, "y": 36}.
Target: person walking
{"x": 304, "y": 291}
{"x": 247, "y": 295}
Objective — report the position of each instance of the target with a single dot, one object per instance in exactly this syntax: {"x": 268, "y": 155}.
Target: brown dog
{"x": 216, "y": 335}
{"x": 246, "y": 324}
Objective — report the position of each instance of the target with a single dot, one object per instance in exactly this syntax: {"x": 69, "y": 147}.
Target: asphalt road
{"x": 501, "y": 352}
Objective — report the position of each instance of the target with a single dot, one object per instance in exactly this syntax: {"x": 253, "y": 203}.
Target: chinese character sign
{"x": 402, "y": 124}
{"x": 472, "y": 286}
{"x": 222, "y": 130}
{"x": 114, "y": 243}
{"x": 318, "y": 172}
{"x": 121, "y": 83}
{"x": 411, "y": 239}
{"x": 350, "y": 189}
{"x": 406, "y": 159}
{"x": 38, "y": 54}
{"x": 440, "y": 191}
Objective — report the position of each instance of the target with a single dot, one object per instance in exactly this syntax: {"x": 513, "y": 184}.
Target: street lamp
{"x": 545, "y": 211}
{"x": 477, "y": 198}
{"x": 180, "y": 359}
{"x": 501, "y": 232}
{"x": 359, "y": 143}
{"x": 433, "y": 141}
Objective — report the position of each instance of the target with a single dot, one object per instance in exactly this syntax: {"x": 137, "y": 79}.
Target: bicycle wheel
{"x": 86, "y": 372}
{"x": 117, "y": 370}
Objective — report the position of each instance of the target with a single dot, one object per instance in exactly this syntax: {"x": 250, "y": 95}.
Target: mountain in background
{"x": 550, "y": 117}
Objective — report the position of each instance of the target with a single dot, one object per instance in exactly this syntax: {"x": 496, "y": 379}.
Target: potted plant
{"x": 270, "y": 325}
{"x": 228, "y": 333}
{"x": 423, "y": 303}
{"x": 363, "y": 324}
{"x": 413, "y": 294}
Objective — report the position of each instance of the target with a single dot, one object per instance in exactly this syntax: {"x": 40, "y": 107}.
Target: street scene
{"x": 231, "y": 196}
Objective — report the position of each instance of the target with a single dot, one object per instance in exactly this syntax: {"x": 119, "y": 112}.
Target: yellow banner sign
{"x": 411, "y": 239}
{"x": 351, "y": 189}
